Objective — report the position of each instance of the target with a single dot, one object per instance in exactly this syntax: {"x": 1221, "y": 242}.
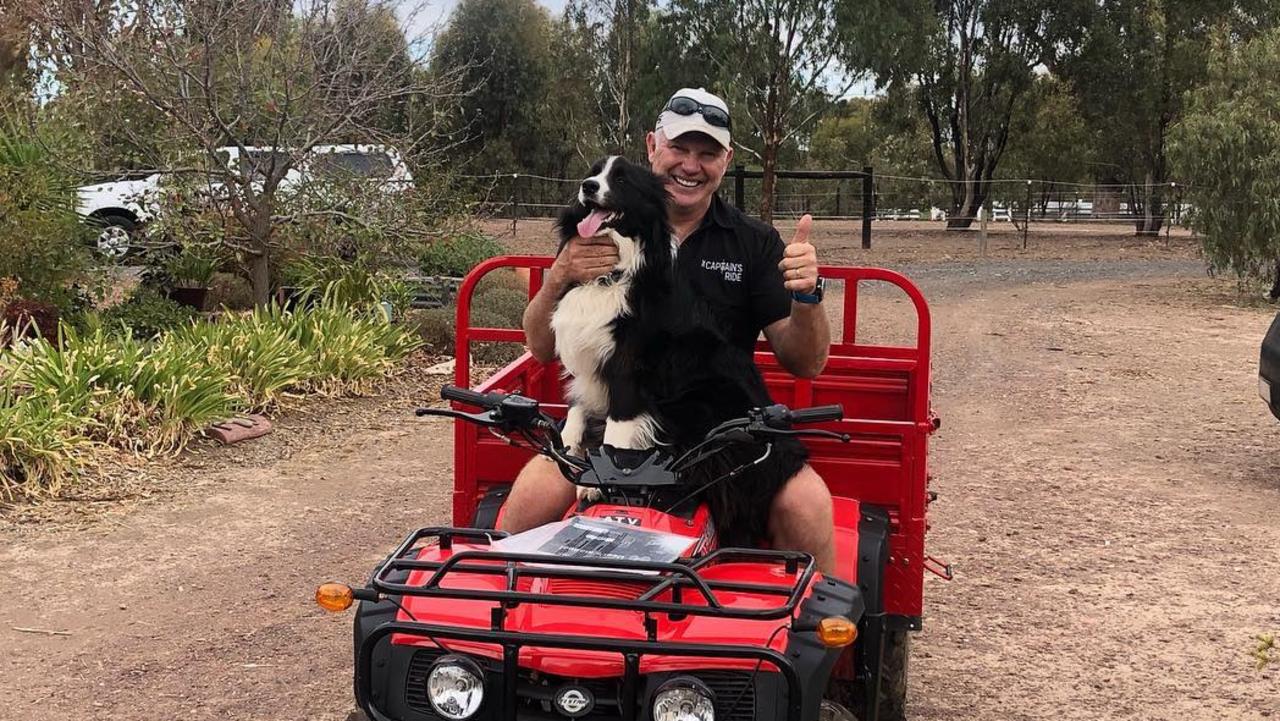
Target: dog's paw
{"x": 590, "y": 495}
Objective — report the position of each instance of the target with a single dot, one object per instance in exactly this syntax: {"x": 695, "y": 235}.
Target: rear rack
{"x": 679, "y": 578}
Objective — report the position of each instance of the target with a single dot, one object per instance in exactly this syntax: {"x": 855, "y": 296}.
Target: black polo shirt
{"x": 731, "y": 260}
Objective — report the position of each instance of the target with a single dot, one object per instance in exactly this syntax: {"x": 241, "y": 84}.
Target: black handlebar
{"x": 818, "y": 414}
{"x": 514, "y": 413}
{"x": 487, "y": 401}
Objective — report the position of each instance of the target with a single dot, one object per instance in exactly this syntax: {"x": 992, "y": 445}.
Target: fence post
{"x": 982, "y": 228}
{"x": 838, "y": 183}
{"x": 739, "y": 185}
{"x": 868, "y": 205}
{"x": 511, "y": 204}
{"x": 1026, "y": 223}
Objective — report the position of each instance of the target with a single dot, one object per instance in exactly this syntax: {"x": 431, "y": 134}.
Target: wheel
{"x": 848, "y": 693}
{"x": 893, "y": 676}
{"x": 115, "y": 235}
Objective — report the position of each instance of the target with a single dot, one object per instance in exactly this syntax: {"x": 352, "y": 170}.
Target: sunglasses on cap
{"x": 681, "y": 105}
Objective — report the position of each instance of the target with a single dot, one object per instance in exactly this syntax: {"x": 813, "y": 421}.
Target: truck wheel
{"x": 848, "y": 693}
{"x": 115, "y": 235}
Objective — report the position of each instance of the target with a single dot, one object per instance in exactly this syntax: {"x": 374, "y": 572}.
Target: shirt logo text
{"x": 732, "y": 271}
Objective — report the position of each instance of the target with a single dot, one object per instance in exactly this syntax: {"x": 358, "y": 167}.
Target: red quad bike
{"x": 468, "y": 624}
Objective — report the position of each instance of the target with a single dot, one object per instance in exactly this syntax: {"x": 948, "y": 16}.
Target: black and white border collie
{"x": 646, "y": 355}
{"x": 597, "y": 324}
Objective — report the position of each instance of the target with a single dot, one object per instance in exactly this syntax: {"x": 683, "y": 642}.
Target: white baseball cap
{"x": 693, "y": 104}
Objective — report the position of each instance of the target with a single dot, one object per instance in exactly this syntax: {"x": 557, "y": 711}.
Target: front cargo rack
{"x": 691, "y": 593}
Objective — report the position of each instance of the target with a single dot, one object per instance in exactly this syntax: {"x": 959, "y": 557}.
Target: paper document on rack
{"x": 589, "y": 538}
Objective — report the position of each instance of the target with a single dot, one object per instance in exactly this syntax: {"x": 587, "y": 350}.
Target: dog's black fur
{"x": 671, "y": 361}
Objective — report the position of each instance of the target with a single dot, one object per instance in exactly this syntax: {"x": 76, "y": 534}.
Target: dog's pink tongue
{"x": 590, "y": 225}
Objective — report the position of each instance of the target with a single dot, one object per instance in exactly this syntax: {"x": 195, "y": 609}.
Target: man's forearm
{"x": 537, "y": 323}
{"x": 803, "y": 340}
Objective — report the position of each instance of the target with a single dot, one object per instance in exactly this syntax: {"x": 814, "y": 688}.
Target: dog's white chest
{"x": 582, "y": 324}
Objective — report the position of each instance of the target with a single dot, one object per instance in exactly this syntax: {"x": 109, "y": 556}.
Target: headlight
{"x": 455, "y": 687}
{"x": 683, "y": 698}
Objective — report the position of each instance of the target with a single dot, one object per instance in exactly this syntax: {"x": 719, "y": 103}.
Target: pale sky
{"x": 436, "y": 12}
{"x": 431, "y": 16}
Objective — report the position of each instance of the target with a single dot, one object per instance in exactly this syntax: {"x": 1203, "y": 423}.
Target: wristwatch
{"x": 814, "y": 297}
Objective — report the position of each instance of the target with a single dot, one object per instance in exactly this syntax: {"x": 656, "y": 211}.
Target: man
{"x": 739, "y": 265}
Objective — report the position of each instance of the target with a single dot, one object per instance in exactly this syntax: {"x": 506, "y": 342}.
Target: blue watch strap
{"x": 810, "y": 298}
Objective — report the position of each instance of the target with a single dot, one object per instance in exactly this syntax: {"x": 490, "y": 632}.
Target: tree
{"x": 367, "y": 39}
{"x": 969, "y": 64}
{"x": 1227, "y": 148}
{"x": 40, "y": 238}
{"x": 887, "y": 133}
{"x": 500, "y": 51}
{"x": 617, "y": 28}
{"x": 15, "y": 45}
{"x": 774, "y": 65}
{"x": 278, "y": 75}
{"x": 1131, "y": 71}
{"x": 845, "y": 137}
{"x": 573, "y": 141}
{"x": 1049, "y": 143}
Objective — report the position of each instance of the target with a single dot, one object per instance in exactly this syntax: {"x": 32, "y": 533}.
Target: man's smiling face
{"x": 691, "y": 165}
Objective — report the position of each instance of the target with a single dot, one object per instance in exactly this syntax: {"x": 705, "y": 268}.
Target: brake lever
{"x": 485, "y": 419}
{"x": 785, "y": 433}
{"x": 818, "y": 433}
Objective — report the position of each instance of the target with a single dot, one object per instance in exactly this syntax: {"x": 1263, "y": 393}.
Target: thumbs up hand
{"x": 799, "y": 264}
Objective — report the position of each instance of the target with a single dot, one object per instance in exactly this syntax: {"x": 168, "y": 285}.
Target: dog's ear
{"x": 568, "y": 219}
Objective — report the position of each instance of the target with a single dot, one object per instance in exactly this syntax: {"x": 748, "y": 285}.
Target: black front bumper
{"x": 390, "y": 679}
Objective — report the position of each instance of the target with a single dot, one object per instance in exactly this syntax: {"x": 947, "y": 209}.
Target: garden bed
{"x": 68, "y": 403}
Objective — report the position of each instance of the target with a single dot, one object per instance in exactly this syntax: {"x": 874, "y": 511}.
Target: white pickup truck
{"x": 117, "y": 210}
{"x": 120, "y": 208}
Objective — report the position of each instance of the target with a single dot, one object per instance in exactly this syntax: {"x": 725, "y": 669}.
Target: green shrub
{"x": 192, "y": 267}
{"x": 41, "y": 241}
{"x": 456, "y": 256}
{"x": 147, "y": 314}
{"x": 121, "y": 391}
{"x": 39, "y": 447}
{"x": 498, "y": 302}
{"x": 348, "y": 350}
{"x": 255, "y": 352}
{"x": 346, "y": 284}
{"x": 434, "y": 327}
{"x": 1226, "y": 147}
{"x": 61, "y": 398}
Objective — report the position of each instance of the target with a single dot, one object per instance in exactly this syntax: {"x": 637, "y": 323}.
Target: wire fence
{"x": 893, "y": 197}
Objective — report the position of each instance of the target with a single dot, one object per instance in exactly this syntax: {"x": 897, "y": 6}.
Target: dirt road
{"x": 1108, "y": 488}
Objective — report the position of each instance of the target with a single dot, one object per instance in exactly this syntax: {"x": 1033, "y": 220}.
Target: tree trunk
{"x": 967, "y": 198}
{"x": 260, "y": 278}
{"x": 1152, "y": 209}
{"x": 1275, "y": 289}
{"x": 769, "y": 162}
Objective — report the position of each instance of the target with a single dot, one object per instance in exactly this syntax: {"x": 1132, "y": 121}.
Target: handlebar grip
{"x": 818, "y": 414}
{"x": 470, "y": 397}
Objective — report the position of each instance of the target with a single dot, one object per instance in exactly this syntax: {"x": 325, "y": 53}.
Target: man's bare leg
{"x": 540, "y": 495}
{"x": 802, "y": 519}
